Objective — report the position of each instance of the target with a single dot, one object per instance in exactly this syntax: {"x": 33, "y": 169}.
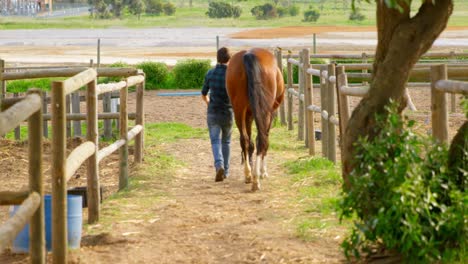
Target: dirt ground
{"x": 197, "y": 221}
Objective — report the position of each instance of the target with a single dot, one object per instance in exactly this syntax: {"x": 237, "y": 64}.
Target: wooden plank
{"x": 136, "y": 130}
{"x": 110, "y": 87}
{"x": 36, "y": 179}
{"x": 131, "y": 116}
{"x": 77, "y": 157}
{"x": 354, "y": 91}
{"x": 17, "y": 113}
{"x": 59, "y": 183}
{"x": 2, "y": 80}
{"x": 104, "y": 152}
{"x": 93, "y": 184}
{"x": 309, "y": 95}
{"x": 343, "y": 104}
{"x": 323, "y": 106}
{"x": 454, "y": 87}
{"x": 106, "y": 105}
{"x": 13, "y": 197}
{"x": 68, "y": 72}
{"x": 134, "y": 80}
{"x": 123, "y": 151}
{"x": 79, "y": 80}
{"x": 45, "y": 126}
{"x": 18, "y": 128}
{"x": 439, "y": 109}
{"x": 10, "y": 229}
{"x": 75, "y": 99}
{"x": 300, "y": 123}
{"x": 140, "y": 120}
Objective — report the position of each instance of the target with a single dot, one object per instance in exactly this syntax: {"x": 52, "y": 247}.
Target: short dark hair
{"x": 223, "y": 55}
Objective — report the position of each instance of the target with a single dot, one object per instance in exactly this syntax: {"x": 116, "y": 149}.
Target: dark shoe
{"x": 219, "y": 175}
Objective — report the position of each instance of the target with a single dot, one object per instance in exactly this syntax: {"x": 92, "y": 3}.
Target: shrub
{"x": 169, "y": 9}
{"x": 311, "y": 15}
{"x": 190, "y": 73}
{"x": 137, "y": 7}
{"x": 154, "y": 7}
{"x": 156, "y": 73}
{"x": 223, "y": 10}
{"x": 265, "y": 11}
{"x": 403, "y": 197}
{"x": 293, "y": 10}
{"x": 356, "y": 15}
{"x": 282, "y": 11}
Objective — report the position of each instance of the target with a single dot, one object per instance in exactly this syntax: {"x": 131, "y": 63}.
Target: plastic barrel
{"x": 74, "y": 225}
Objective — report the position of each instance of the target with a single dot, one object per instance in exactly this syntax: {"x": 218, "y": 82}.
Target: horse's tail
{"x": 257, "y": 99}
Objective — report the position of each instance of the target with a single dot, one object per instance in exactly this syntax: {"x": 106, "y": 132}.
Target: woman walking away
{"x": 219, "y": 115}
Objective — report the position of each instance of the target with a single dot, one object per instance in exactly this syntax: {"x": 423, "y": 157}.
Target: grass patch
{"x": 170, "y": 132}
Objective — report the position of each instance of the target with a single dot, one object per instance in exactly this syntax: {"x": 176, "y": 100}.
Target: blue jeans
{"x": 220, "y": 135}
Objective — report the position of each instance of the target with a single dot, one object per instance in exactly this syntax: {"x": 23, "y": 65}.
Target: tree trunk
{"x": 402, "y": 39}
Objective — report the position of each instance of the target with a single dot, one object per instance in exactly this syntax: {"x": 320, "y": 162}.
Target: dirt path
{"x": 200, "y": 221}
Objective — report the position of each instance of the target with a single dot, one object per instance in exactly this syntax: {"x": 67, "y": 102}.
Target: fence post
{"x": 343, "y": 108}
{"x": 2, "y": 82}
{"x": 331, "y": 98}
{"x": 439, "y": 105}
{"x": 300, "y": 123}
{"x": 93, "y": 188}
{"x": 17, "y": 129}
{"x": 453, "y": 97}
{"x": 59, "y": 192}
{"x": 308, "y": 98}
{"x": 106, "y": 105}
{"x": 44, "y": 111}
{"x": 279, "y": 60}
{"x": 306, "y": 80}
{"x": 76, "y": 110}
{"x": 123, "y": 151}
{"x": 323, "y": 106}
{"x": 290, "y": 95}
{"x": 68, "y": 109}
{"x": 37, "y": 225}
{"x": 140, "y": 120}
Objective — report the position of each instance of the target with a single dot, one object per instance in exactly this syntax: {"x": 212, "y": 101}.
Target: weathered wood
{"x": 36, "y": 179}
{"x": 45, "y": 126}
{"x": 18, "y": 128}
{"x": 314, "y": 72}
{"x": 300, "y": 122}
{"x": 306, "y": 84}
{"x": 323, "y": 104}
{"x": 123, "y": 151}
{"x": 343, "y": 105}
{"x": 13, "y": 198}
{"x": 2, "y": 80}
{"x": 354, "y": 91}
{"x": 77, "y": 157}
{"x": 68, "y": 111}
{"x": 79, "y": 80}
{"x": 92, "y": 135}
{"x": 454, "y": 87}
{"x": 106, "y": 105}
{"x": 309, "y": 96}
{"x": 75, "y": 99}
{"x": 110, "y": 87}
{"x": 17, "y": 113}
{"x": 59, "y": 183}
{"x": 439, "y": 110}
{"x": 140, "y": 120}
{"x": 279, "y": 62}
{"x": 134, "y": 80}
{"x": 331, "y": 109}
{"x": 104, "y": 152}
{"x": 10, "y": 229}
{"x": 136, "y": 130}
{"x": 68, "y": 72}
{"x": 290, "y": 96}
{"x": 105, "y": 116}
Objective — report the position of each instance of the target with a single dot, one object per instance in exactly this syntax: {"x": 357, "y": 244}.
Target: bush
{"x": 356, "y": 15}
{"x": 154, "y": 7}
{"x": 169, "y": 9}
{"x": 156, "y": 73}
{"x": 311, "y": 15}
{"x": 403, "y": 197}
{"x": 282, "y": 11}
{"x": 293, "y": 10}
{"x": 265, "y": 11}
{"x": 189, "y": 74}
{"x": 223, "y": 10}
{"x": 137, "y": 7}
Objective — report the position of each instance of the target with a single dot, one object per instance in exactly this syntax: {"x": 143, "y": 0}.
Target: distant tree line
{"x": 104, "y": 9}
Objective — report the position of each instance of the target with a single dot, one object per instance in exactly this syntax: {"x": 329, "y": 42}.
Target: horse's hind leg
{"x": 245, "y": 128}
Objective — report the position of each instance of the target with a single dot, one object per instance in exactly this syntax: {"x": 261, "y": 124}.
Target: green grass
{"x": 332, "y": 13}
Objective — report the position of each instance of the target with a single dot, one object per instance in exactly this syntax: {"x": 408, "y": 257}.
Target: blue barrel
{"x": 74, "y": 225}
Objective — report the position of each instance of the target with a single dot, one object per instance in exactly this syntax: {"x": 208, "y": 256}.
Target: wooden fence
{"x": 334, "y": 90}
{"x": 64, "y": 167}
{"x": 32, "y": 205}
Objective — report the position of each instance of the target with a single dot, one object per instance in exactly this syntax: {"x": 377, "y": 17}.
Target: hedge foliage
{"x": 190, "y": 73}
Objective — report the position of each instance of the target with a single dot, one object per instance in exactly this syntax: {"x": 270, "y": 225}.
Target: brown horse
{"x": 256, "y": 88}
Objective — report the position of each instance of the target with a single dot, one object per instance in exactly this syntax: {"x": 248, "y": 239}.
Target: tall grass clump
{"x": 404, "y": 198}
{"x": 156, "y": 74}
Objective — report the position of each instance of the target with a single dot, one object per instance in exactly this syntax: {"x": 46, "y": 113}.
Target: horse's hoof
{"x": 264, "y": 175}
{"x": 255, "y": 187}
